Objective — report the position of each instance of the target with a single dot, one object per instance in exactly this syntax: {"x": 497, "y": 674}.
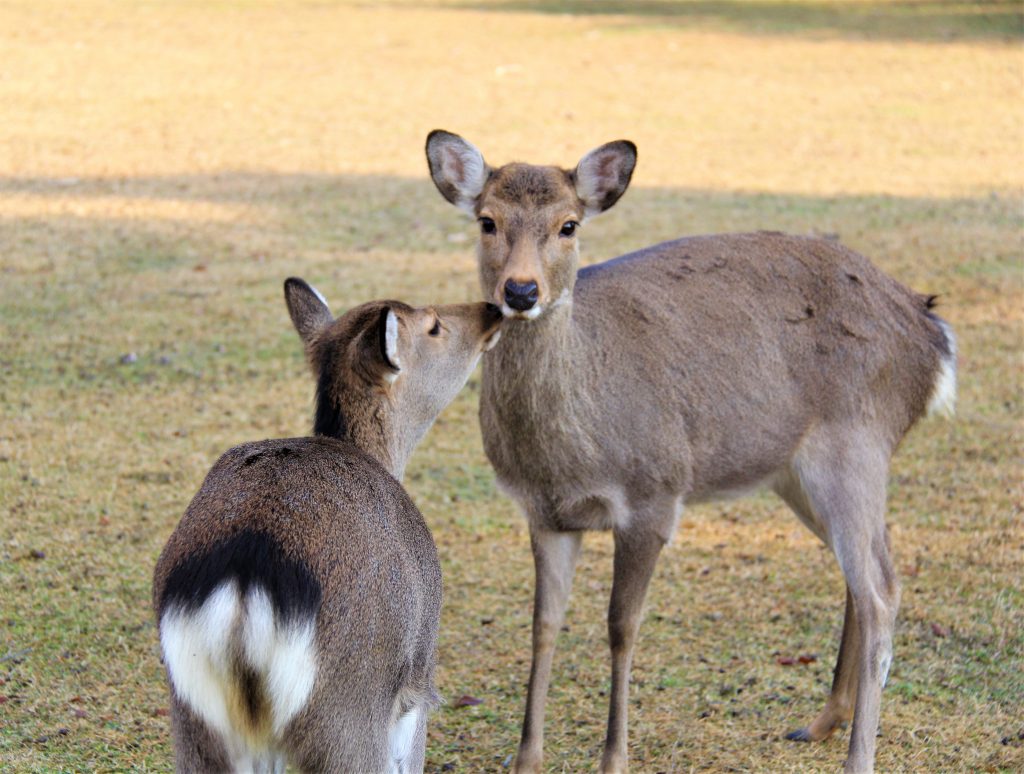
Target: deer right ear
{"x": 457, "y": 168}
{"x": 307, "y": 308}
{"x": 388, "y": 338}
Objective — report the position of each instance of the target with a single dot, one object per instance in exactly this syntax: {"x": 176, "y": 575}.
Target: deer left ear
{"x": 387, "y": 335}
{"x": 307, "y": 308}
{"x": 457, "y": 168}
{"x": 603, "y": 175}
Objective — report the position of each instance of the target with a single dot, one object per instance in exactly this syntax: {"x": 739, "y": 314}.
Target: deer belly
{"x": 594, "y": 512}
{"x": 602, "y": 508}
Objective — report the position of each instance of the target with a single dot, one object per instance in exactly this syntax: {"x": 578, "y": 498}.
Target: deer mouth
{"x": 521, "y": 314}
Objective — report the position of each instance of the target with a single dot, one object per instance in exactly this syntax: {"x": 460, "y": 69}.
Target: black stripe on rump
{"x": 250, "y": 558}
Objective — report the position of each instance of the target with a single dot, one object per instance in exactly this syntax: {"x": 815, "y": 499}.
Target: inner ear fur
{"x": 457, "y": 168}
{"x": 376, "y": 348}
{"x": 603, "y": 175}
{"x": 387, "y": 333}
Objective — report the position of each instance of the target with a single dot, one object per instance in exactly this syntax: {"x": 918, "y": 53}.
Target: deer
{"x": 298, "y": 600}
{"x": 687, "y": 371}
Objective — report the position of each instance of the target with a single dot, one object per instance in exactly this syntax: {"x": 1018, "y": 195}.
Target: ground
{"x": 163, "y": 168}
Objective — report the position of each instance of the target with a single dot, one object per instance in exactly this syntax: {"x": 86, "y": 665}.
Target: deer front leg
{"x": 554, "y": 558}
{"x": 635, "y": 557}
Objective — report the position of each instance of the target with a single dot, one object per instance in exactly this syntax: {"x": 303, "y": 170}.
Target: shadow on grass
{"x": 922, "y": 20}
{"x": 350, "y": 215}
{"x": 87, "y": 276}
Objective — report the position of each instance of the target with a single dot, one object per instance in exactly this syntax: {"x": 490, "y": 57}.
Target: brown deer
{"x": 687, "y": 371}
{"x": 299, "y": 598}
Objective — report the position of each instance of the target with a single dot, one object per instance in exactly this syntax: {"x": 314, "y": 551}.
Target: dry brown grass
{"x": 164, "y": 166}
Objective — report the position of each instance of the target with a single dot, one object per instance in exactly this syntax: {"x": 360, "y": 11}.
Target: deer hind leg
{"x": 837, "y": 486}
{"x": 636, "y": 554}
{"x": 838, "y": 709}
{"x": 554, "y": 558}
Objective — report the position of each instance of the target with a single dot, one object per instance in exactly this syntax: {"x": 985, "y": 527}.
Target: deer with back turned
{"x": 299, "y": 598}
{"x": 688, "y": 371}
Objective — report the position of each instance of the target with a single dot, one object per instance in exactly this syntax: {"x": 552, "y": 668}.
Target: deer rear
{"x": 299, "y": 598}
{"x": 690, "y": 370}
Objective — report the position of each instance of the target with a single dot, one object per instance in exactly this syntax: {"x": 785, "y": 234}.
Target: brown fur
{"x": 334, "y": 507}
{"x": 690, "y": 370}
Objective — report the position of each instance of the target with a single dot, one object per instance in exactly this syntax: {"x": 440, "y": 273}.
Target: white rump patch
{"x": 283, "y": 655}
{"x": 196, "y": 648}
{"x": 199, "y": 646}
{"x": 401, "y": 739}
{"x": 943, "y": 397}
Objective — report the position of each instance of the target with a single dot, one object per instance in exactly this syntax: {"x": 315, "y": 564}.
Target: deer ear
{"x": 387, "y": 335}
{"x": 307, "y": 308}
{"x": 603, "y": 175}
{"x": 457, "y": 168}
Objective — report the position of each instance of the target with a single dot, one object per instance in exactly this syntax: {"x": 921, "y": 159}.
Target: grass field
{"x": 164, "y": 166}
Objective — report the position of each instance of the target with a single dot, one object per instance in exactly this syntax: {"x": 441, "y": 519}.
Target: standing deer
{"x": 683, "y": 372}
{"x": 298, "y": 600}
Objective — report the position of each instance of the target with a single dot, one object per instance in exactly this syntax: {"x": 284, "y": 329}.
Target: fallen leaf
{"x": 808, "y": 658}
{"x": 939, "y": 630}
{"x": 785, "y": 661}
{"x": 468, "y": 701}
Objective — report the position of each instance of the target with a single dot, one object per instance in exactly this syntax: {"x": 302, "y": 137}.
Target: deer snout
{"x": 521, "y": 296}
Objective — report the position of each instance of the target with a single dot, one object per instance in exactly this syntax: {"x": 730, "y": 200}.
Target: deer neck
{"x": 374, "y": 433}
{"x": 535, "y": 359}
{"x": 390, "y": 445}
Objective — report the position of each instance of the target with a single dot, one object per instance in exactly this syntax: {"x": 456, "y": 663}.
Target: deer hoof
{"x": 801, "y": 735}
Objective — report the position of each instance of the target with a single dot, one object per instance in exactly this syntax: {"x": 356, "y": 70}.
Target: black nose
{"x": 520, "y": 296}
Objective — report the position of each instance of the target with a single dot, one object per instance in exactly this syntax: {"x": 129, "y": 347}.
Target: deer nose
{"x": 520, "y": 296}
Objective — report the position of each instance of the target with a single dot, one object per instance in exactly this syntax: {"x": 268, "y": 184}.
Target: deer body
{"x": 654, "y": 378}
{"x": 687, "y": 371}
{"x": 299, "y": 598}
{"x": 304, "y": 521}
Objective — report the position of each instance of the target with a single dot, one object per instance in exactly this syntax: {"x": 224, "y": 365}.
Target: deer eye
{"x": 487, "y": 226}
{"x": 568, "y": 228}
{"x": 436, "y": 330}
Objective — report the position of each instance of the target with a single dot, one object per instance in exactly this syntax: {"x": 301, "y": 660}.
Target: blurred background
{"x": 163, "y": 168}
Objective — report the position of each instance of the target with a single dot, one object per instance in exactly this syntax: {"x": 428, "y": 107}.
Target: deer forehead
{"x": 528, "y": 186}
